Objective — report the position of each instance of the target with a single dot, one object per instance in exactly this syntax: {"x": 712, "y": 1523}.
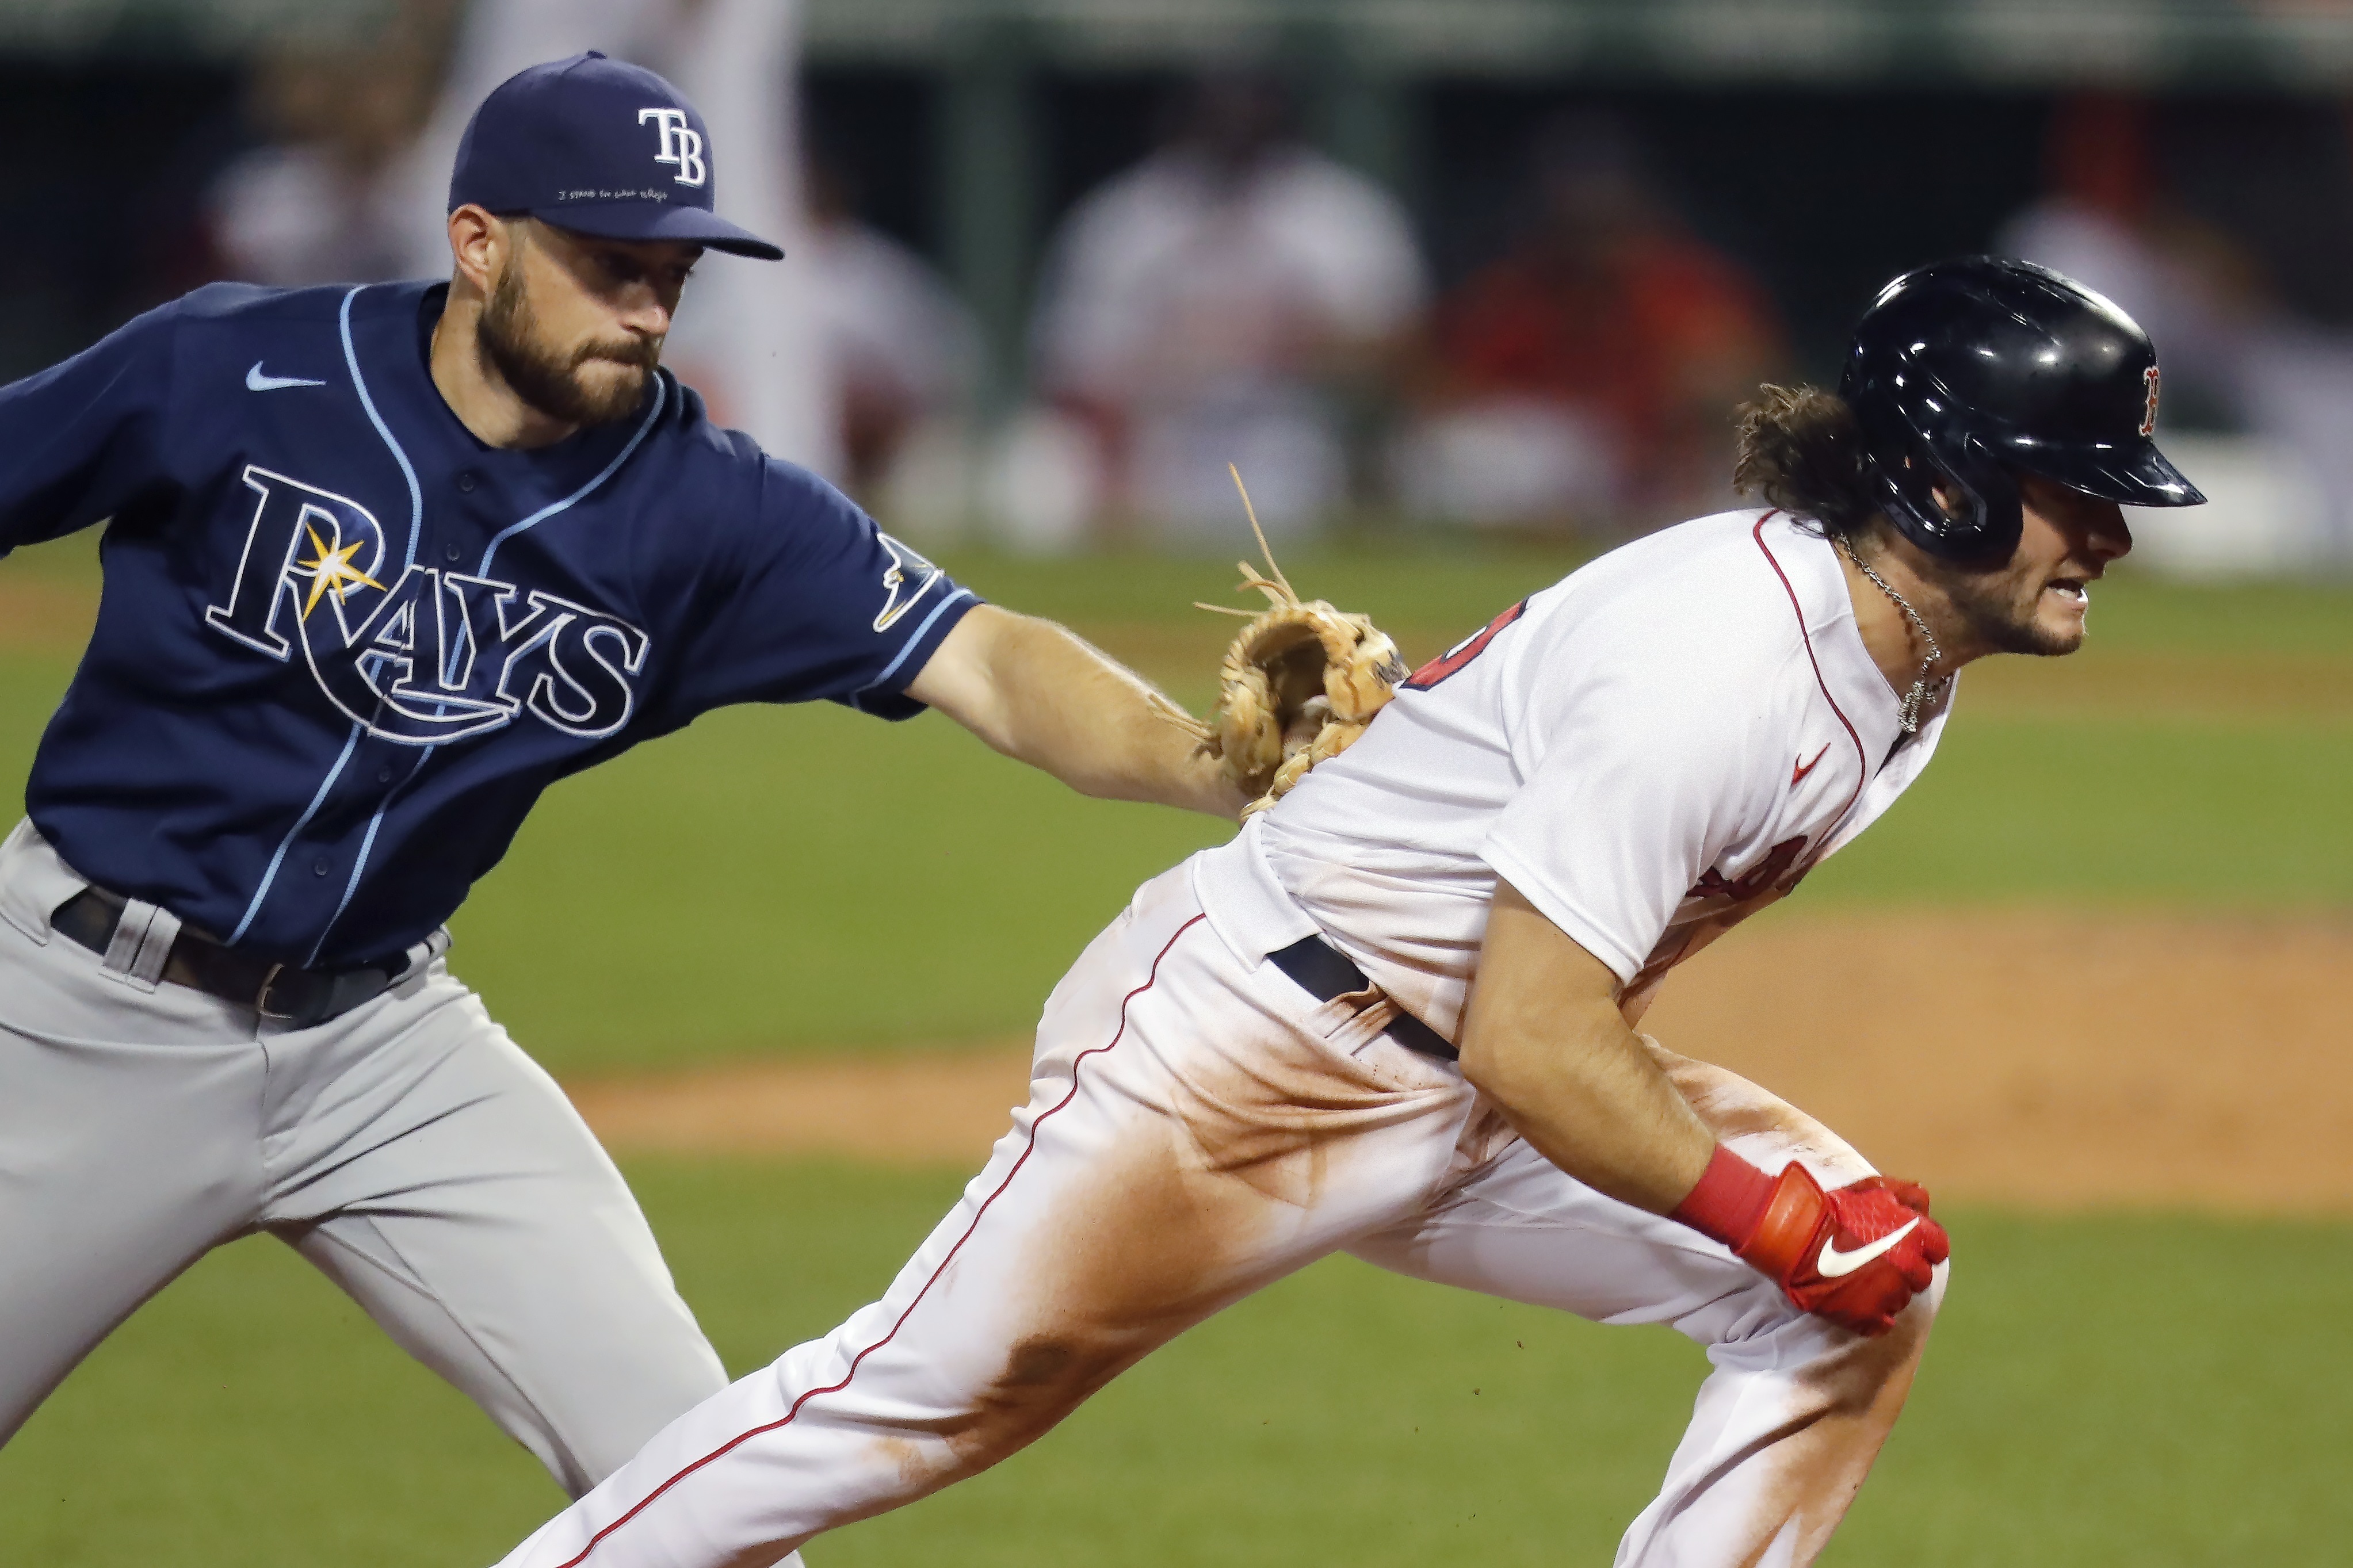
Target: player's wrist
{"x": 1728, "y": 1202}
{"x": 1797, "y": 1216}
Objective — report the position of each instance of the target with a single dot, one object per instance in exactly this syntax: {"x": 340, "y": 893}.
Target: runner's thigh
{"x": 439, "y": 1175}
{"x": 1198, "y": 1126}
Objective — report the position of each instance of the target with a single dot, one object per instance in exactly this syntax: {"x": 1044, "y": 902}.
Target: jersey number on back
{"x": 1464, "y": 652}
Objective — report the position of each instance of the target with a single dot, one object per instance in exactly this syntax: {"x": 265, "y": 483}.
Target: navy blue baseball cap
{"x": 597, "y": 146}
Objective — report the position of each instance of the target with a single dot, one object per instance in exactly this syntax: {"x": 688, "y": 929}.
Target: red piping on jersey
{"x": 1450, "y": 663}
{"x": 1861, "y": 758}
{"x": 740, "y": 1438}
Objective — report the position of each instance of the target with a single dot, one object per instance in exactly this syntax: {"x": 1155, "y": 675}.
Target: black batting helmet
{"x": 1974, "y": 371}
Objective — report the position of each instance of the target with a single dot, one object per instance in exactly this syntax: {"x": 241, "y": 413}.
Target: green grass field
{"x": 2143, "y": 1392}
{"x": 2147, "y": 1391}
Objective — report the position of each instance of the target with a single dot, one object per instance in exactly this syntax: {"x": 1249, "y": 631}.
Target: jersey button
{"x": 318, "y": 868}
{"x": 451, "y": 551}
{"x": 383, "y": 775}
{"x": 466, "y": 483}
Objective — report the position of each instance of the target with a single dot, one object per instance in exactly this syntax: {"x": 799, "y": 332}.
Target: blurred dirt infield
{"x": 2030, "y": 1059}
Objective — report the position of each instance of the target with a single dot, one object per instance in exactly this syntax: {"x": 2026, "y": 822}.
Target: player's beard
{"x": 550, "y": 381}
{"x": 1987, "y": 604}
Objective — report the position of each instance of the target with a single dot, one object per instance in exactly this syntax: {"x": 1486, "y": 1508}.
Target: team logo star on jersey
{"x": 332, "y": 572}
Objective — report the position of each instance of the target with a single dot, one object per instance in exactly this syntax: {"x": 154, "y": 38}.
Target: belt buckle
{"x": 261, "y": 996}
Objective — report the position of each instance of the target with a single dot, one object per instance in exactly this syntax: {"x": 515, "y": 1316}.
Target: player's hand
{"x": 1856, "y": 1255}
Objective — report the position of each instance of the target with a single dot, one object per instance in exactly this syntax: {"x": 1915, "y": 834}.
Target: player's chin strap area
{"x": 281, "y": 991}
{"x": 1325, "y": 972}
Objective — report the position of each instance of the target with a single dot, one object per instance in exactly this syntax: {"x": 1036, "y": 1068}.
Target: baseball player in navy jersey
{"x": 1398, "y": 1014}
{"x": 383, "y": 563}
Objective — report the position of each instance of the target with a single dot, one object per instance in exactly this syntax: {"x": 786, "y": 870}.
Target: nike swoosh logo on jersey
{"x": 1834, "y": 1264}
{"x": 257, "y": 382}
{"x": 1798, "y": 774}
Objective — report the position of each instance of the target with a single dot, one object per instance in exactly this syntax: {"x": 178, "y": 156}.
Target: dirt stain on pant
{"x": 1125, "y": 1265}
{"x": 1184, "y": 1218}
{"x": 1848, "y": 1404}
{"x": 1143, "y": 1250}
{"x": 1732, "y": 1107}
{"x": 1273, "y": 1117}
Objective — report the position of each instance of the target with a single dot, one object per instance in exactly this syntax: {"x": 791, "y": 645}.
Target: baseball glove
{"x": 1299, "y": 684}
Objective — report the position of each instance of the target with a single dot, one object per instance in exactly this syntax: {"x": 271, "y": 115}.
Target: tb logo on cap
{"x": 679, "y": 145}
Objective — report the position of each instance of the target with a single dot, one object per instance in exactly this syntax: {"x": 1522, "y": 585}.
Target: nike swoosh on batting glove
{"x": 1855, "y": 1254}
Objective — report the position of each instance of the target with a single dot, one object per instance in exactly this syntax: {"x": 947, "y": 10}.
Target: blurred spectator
{"x": 2244, "y": 348}
{"x": 1216, "y": 304}
{"x": 903, "y": 345}
{"x": 1591, "y": 371}
{"x": 315, "y": 204}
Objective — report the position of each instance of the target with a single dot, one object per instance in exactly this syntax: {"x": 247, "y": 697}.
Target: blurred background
{"x": 1478, "y": 264}
{"x": 1468, "y": 290}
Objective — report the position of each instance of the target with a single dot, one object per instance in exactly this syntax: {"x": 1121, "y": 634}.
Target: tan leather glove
{"x": 1299, "y": 684}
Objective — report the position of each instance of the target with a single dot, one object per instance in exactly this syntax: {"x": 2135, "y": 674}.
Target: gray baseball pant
{"x": 408, "y": 1149}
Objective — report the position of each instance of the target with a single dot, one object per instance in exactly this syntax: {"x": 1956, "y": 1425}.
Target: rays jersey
{"x": 1649, "y": 750}
{"x": 342, "y": 646}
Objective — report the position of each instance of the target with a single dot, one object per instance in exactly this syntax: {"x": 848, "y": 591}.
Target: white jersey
{"x": 1654, "y": 747}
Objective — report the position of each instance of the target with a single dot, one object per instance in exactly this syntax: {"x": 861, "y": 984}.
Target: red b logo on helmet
{"x": 2148, "y": 413}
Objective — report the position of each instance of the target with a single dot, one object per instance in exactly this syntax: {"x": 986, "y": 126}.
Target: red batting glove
{"x": 1856, "y": 1255}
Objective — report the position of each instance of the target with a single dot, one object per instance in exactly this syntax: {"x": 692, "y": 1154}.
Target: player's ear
{"x": 479, "y": 243}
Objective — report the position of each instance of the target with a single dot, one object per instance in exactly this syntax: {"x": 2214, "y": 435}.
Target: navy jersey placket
{"x": 351, "y": 744}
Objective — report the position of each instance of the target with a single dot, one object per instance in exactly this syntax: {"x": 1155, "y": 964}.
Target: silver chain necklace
{"x": 1924, "y": 690}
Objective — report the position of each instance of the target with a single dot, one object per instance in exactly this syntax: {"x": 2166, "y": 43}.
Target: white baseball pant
{"x": 408, "y": 1149}
{"x": 1198, "y": 1126}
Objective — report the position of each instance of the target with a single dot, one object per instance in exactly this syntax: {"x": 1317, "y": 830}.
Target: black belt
{"x": 302, "y": 997}
{"x": 1324, "y": 972}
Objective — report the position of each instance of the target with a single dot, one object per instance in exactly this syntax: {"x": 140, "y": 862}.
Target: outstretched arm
{"x": 1037, "y": 692}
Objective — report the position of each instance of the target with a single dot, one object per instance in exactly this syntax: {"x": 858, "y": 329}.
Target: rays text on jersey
{"x": 436, "y": 656}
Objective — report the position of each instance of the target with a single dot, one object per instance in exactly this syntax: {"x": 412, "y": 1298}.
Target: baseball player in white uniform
{"x": 1397, "y": 1014}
